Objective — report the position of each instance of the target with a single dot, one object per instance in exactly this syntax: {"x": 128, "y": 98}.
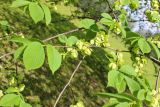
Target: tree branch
{"x": 65, "y": 33}
{"x": 68, "y": 83}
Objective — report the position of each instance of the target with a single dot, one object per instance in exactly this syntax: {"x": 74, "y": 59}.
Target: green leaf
{"x": 72, "y": 40}
{"x": 47, "y": 13}
{"x": 54, "y": 58}
{"x": 36, "y": 12}
{"x": 20, "y": 40}
{"x": 118, "y": 96}
{"x": 87, "y": 23}
{"x": 112, "y": 78}
{"x": 125, "y": 2}
{"x": 62, "y": 39}
{"x": 120, "y": 83}
{"x": 107, "y": 22}
{"x": 34, "y": 56}
{"x": 141, "y": 94}
{"x": 12, "y": 90}
{"x": 23, "y": 104}
{"x": 127, "y": 69}
{"x": 106, "y": 16}
{"x": 10, "y": 100}
{"x": 111, "y": 103}
{"x": 132, "y": 84}
{"x": 155, "y": 48}
{"x": 124, "y": 104}
{"x": 20, "y": 3}
{"x": 144, "y": 46}
{"x": 19, "y": 52}
{"x": 132, "y": 35}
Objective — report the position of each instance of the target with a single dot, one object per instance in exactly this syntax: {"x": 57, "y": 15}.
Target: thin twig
{"x": 7, "y": 54}
{"x": 61, "y": 93}
{"x": 65, "y": 33}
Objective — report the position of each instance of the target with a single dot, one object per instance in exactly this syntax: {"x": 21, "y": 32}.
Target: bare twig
{"x": 68, "y": 83}
{"x": 65, "y": 33}
{"x": 7, "y": 54}
{"x": 154, "y": 60}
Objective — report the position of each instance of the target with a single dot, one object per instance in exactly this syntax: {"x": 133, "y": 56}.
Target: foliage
{"x": 131, "y": 86}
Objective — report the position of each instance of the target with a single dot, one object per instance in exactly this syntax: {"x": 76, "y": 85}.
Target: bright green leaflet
{"x": 19, "y": 3}
{"x": 120, "y": 83}
{"x": 54, "y": 58}
{"x": 112, "y": 78}
{"x": 62, "y": 39}
{"x": 19, "y": 52}
{"x": 10, "y": 100}
{"x": 34, "y": 56}
{"x": 47, "y": 13}
{"x": 107, "y": 16}
{"x": 36, "y": 12}
{"x": 127, "y": 69}
{"x": 124, "y": 104}
{"x": 118, "y": 96}
{"x": 12, "y": 90}
{"x": 87, "y": 23}
{"x": 23, "y": 104}
{"x": 132, "y": 84}
{"x": 20, "y": 40}
{"x": 141, "y": 94}
{"x": 144, "y": 46}
{"x": 155, "y": 48}
{"x": 71, "y": 40}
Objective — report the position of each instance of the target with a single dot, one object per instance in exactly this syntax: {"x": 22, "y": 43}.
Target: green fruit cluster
{"x": 101, "y": 39}
{"x": 155, "y": 4}
{"x": 73, "y": 52}
{"x": 84, "y": 47}
{"x": 139, "y": 64}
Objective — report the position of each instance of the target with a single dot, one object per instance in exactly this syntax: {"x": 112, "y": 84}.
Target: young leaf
{"x": 71, "y": 40}
{"x": 107, "y": 22}
{"x": 54, "y": 58}
{"x": 19, "y": 52}
{"x": 121, "y": 83}
{"x": 47, "y": 13}
{"x": 36, "y": 12}
{"x": 112, "y": 78}
{"x": 144, "y": 46}
{"x": 106, "y": 16}
{"x": 23, "y": 104}
{"x": 10, "y": 100}
{"x": 20, "y": 40}
{"x": 132, "y": 84}
{"x": 155, "y": 48}
{"x": 20, "y": 3}
{"x": 62, "y": 39}
{"x": 87, "y": 23}
{"x": 141, "y": 94}
{"x": 118, "y": 96}
{"x": 12, "y": 90}
{"x": 123, "y": 104}
{"x": 34, "y": 56}
{"x": 127, "y": 69}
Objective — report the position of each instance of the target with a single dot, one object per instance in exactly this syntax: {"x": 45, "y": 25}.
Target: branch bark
{"x": 65, "y": 33}
{"x": 68, "y": 83}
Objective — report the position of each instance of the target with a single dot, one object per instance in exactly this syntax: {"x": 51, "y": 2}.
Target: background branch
{"x": 68, "y": 83}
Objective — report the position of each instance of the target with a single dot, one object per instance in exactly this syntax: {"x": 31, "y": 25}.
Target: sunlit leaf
{"x": 34, "y": 56}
